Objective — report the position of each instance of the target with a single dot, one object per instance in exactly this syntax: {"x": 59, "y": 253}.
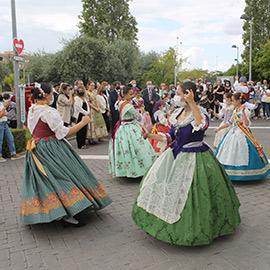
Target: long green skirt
{"x": 68, "y": 188}
{"x": 98, "y": 127}
{"x": 130, "y": 155}
{"x": 210, "y": 211}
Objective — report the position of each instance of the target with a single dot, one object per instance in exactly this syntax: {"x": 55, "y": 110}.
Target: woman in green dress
{"x": 98, "y": 127}
{"x": 129, "y": 154}
{"x": 186, "y": 198}
{"x": 56, "y": 183}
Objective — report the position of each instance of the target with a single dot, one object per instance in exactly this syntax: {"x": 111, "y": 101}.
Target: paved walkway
{"x": 111, "y": 240}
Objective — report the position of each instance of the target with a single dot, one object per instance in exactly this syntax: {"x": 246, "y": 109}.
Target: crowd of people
{"x": 158, "y": 134}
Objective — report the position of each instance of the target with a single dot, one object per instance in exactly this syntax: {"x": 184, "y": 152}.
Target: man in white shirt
{"x": 241, "y": 86}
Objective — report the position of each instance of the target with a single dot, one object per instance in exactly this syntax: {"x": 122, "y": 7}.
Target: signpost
{"x": 18, "y": 58}
{"x": 18, "y": 46}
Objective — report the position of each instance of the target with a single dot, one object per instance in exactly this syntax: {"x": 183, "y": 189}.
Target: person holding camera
{"x": 65, "y": 102}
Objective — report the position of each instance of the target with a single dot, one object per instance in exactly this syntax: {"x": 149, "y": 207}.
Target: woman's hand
{"x": 7, "y": 104}
{"x": 144, "y": 132}
{"x": 217, "y": 130}
{"x": 86, "y": 120}
{"x": 71, "y": 92}
{"x": 189, "y": 96}
{"x": 210, "y": 111}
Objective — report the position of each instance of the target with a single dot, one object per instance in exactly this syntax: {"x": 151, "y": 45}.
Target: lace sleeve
{"x": 204, "y": 124}
{"x": 247, "y": 112}
{"x": 162, "y": 119}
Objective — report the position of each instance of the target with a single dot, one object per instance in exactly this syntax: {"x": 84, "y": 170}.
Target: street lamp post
{"x": 247, "y": 18}
{"x": 237, "y": 60}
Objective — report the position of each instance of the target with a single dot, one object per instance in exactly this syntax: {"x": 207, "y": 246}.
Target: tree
{"x": 193, "y": 74}
{"x": 163, "y": 68}
{"x": 108, "y": 20}
{"x": 145, "y": 62}
{"x": 121, "y": 61}
{"x": 92, "y": 59}
{"x": 10, "y": 81}
{"x": 259, "y": 11}
{"x": 81, "y": 58}
{"x": 263, "y": 61}
{"x": 4, "y": 71}
{"x": 39, "y": 67}
{"x": 232, "y": 70}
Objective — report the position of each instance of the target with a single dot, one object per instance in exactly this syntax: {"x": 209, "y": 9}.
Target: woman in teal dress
{"x": 129, "y": 154}
{"x": 186, "y": 198}
{"x": 56, "y": 183}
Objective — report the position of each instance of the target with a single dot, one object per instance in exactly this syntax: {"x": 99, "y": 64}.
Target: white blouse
{"x": 103, "y": 103}
{"x": 78, "y": 103}
{"x": 49, "y": 116}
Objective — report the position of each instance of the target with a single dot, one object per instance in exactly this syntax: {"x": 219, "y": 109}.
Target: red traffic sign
{"x": 18, "y": 45}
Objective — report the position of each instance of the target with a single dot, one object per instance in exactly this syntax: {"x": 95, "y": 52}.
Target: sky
{"x": 203, "y": 31}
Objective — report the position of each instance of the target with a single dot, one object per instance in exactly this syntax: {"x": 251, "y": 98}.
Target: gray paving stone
{"x": 111, "y": 240}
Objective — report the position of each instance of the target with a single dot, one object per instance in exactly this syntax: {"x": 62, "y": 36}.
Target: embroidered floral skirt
{"x": 210, "y": 210}
{"x": 130, "y": 155}
{"x": 68, "y": 189}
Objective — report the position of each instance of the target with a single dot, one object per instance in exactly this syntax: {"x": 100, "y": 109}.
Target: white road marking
{"x": 101, "y": 157}
{"x": 254, "y": 127}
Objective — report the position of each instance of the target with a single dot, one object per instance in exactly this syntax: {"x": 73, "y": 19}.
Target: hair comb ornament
{"x": 42, "y": 93}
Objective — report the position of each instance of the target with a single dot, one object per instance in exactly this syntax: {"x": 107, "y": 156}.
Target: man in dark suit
{"x": 150, "y": 98}
{"x": 55, "y": 94}
{"x": 112, "y": 99}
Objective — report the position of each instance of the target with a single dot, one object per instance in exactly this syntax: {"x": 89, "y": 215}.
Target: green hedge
{"x": 20, "y": 138}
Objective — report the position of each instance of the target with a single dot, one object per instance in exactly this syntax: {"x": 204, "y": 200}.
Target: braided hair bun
{"x": 125, "y": 90}
{"x": 39, "y": 91}
{"x": 240, "y": 96}
{"x": 192, "y": 86}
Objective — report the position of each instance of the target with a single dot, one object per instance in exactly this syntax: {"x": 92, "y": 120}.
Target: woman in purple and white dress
{"x": 186, "y": 197}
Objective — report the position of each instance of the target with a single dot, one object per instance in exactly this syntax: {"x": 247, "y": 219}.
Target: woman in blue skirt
{"x": 56, "y": 184}
{"x": 239, "y": 152}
